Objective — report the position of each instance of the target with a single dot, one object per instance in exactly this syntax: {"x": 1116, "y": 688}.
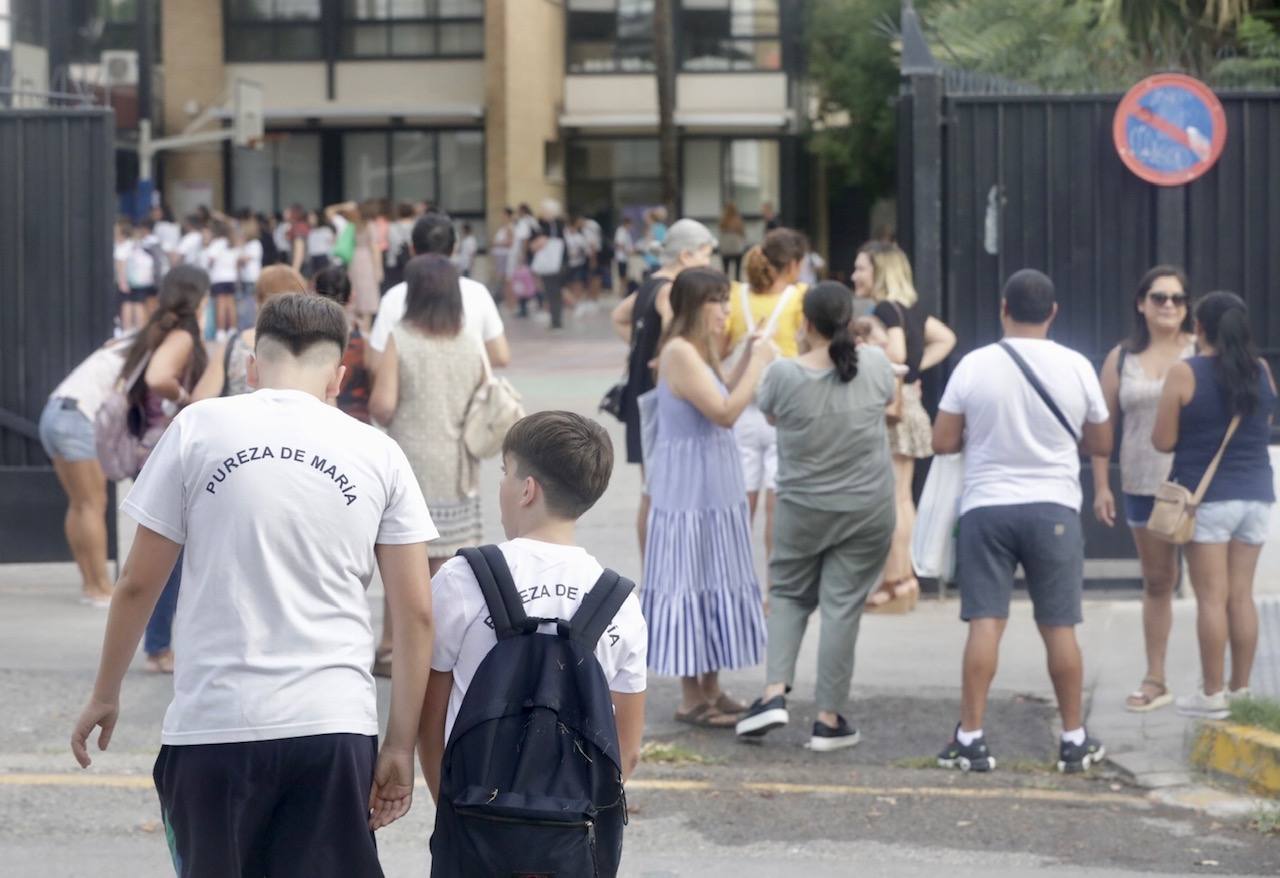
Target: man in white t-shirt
{"x": 556, "y": 466}
{"x": 1023, "y": 411}
{"x": 269, "y": 759}
{"x": 433, "y": 233}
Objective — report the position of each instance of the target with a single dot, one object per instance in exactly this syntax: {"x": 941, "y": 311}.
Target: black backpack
{"x": 531, "y": 781}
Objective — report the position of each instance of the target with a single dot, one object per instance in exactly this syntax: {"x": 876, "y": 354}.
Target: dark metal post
{"x": 146, "y": 25}
{"x": 922, "y": 78}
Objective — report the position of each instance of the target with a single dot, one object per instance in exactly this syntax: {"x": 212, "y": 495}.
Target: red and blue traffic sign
{"x": 1170, "y": 129}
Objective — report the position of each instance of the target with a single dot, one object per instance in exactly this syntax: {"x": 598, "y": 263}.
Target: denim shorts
{"x": 65, "y": 432}
{"x": 1245, "y": 521}
{"x": 1137, "y": 509}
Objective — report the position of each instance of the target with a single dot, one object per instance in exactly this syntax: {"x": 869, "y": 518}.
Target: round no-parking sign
{"x": 1170, "y": 129}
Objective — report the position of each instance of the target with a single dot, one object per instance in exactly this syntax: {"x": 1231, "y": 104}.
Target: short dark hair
{"x": 332, "y": 283}
{"x": 433, "y": 297}
{"x": 570, "y": 456}
{"x": 433, "y": 233}
{"x": 300, "y": 321}
{"x": 1029, "y": 296}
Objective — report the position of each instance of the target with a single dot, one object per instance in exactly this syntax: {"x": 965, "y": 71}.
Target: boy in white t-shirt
{"x": 269, "y": 760}
{"x": 556, "y": 465}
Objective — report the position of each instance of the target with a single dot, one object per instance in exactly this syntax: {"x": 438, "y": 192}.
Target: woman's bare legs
{"x": 86, "y": 522}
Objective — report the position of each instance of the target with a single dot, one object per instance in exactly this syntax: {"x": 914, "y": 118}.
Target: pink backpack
{"x": 120, "y": 430}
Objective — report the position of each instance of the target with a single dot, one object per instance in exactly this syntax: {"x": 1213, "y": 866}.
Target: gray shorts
{"x": 1045, "y": 538}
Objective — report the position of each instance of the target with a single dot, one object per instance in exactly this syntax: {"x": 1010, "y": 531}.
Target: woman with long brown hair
{"x": 701, "y": 596}
{"x": 733, "y": 239}
{"x": 421, "y": 391}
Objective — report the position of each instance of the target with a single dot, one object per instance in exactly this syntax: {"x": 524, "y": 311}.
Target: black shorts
{"x": 223, "y": 289}
{"x": 290, "y": 807}
{"x": 138, "y": 295}
{"x": 1045, "y": 538}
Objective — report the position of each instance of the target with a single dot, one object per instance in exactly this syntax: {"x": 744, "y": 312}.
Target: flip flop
{"x": 729, "y": 705}
{"x": 707, "y": 717}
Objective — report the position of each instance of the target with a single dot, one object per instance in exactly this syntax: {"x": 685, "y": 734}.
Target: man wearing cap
{"x": 639, "y": 320}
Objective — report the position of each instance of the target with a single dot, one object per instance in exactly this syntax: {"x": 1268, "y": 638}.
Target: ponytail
{"x": 1224, "y": 318}
{"x": 844, "y": 353}
{"x": 760, "y": 274}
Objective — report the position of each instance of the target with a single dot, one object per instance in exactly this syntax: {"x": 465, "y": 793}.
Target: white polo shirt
{"x": 480, "y": 316}
{"x": 279, "y": 500}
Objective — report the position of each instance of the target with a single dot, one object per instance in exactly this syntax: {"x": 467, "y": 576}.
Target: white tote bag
{"x": 933, "y": 545}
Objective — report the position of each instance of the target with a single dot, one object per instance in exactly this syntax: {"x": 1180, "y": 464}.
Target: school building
{"x": 469, "y": 104}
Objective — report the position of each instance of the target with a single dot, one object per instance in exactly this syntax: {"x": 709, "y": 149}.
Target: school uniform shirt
{"x": 169, "y": 235}
{"x": 480, "y": 317}
{"x": 552, "y": 580}
{"x": 140, "y": 264}
{"x": 120, "y": 253}
{"x": 279, "y": 500}
{"x": 251, "y": 268}
{"x": 190, "y": 247}
{"x": 221, "y": 261}
{"x": 1016, "y": 451}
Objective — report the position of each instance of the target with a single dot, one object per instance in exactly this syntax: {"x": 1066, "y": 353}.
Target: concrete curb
{"x": 1244, "y": 753}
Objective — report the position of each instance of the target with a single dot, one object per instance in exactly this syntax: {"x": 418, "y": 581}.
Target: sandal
{"x": 161, "y": 662}
{"x": 1151, "y": 694}
{"x": 728, "y": 705}
{"x": 707, "y": 717}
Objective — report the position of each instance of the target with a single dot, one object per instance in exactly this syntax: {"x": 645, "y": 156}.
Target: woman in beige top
{"x": 421, "y": 391}
{"x": 1132, "y": 379}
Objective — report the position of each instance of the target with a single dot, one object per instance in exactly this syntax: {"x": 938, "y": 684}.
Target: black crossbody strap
{"x": 506, "y": 610}
{"x": 1039, "y": 389}
{"x": 595, "y": 614}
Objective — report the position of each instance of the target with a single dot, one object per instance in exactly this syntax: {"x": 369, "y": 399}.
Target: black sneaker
{"x": 1075, "y": 758}
{"x": 825, "y": 738}
{"x": 763, "y": 716}
{"x": 970, "y": 757}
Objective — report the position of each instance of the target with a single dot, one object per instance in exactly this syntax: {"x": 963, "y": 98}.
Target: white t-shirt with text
{"x": 552, "y": 580}
{"x": 1016, "y": 451}
{"x": 279, "y": 500}
{"x": 480, "y": 316}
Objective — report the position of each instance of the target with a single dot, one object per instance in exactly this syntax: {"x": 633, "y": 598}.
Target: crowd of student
{"x": 799, "y": 397}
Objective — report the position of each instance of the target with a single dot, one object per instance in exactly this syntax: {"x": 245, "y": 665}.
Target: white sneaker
{"x": 1238, "y": 694}
{"x": 1205, "y": 706}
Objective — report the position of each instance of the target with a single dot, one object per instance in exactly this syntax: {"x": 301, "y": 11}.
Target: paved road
{"x": 702, "y": 803}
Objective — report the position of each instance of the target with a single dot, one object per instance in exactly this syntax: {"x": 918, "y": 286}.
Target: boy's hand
{"x": 96, "y": 713}
{"x": 392, "y": 788}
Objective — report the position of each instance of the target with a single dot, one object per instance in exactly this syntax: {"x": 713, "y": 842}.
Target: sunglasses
{"x": 1178, "y": 299}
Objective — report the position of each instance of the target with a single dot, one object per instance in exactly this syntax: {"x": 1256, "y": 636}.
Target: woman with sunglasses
{"x": 1132, "y": 380}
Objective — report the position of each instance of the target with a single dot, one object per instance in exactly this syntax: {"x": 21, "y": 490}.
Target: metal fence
{"x": 57, "y": 197}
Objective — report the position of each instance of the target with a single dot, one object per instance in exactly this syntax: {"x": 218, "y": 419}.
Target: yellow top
{"x": 788, "y": 325}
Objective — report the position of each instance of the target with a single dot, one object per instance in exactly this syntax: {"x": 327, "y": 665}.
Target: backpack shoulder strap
{"x": 595, "y": 614}
{"x": 744, "y": 296}
{"x": 226, "y": 363}
{"x": 499, "y": 590}
{"x": 771, "y": 325}
{"x": 1040, "y": 391}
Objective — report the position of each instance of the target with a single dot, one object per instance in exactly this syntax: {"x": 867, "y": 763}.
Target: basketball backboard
{"x": 248, "y": 123}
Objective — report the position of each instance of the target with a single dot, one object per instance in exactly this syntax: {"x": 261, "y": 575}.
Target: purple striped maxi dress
{"x": 700, "y": 595}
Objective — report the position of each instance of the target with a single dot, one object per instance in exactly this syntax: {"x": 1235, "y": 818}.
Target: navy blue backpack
{"x": 531, "y": 781}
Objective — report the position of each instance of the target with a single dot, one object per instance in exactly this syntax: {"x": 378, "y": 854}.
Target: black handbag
{"x": 611, "y": 402}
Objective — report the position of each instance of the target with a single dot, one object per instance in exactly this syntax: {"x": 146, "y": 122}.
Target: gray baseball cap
{"x": 686, "y": 235}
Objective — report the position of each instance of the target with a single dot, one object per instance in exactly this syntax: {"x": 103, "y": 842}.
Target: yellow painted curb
{"x": 1243, "y": 752}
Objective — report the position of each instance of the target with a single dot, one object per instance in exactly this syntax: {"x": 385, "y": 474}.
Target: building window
{"x": 610, "y": 36}
{"x": 107, "y": 25}
{"x": 412, "y": 28}
{"x": 25, "y": 21}
{"x": 287, "y": 170}
{"x": 614, "y": 177}
{"x": 274, "y": 30}
{"x": 746, "y": 172}
{"x": 730, "y": 35}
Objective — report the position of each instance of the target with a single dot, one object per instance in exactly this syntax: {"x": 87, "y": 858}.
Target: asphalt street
{"x": 702, "y": 803}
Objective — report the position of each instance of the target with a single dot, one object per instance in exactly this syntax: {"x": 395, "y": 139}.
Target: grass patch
{"x": 1264, "y": 713}
{"x": 672, "y": 754}
{"x": 1266, "y": 820}
{"x": 1012, "y": 766}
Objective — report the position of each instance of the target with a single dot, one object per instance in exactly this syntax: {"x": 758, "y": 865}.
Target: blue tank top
{"x": 1245, "y": 471}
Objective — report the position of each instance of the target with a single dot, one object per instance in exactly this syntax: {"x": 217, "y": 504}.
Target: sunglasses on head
{"x": 1178, "y": 299}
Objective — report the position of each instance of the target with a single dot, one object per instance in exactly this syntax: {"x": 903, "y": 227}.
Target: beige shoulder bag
{"x": 1173, "y": 517}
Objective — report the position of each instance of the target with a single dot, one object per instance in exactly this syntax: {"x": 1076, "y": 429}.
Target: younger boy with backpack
{"x": 537, "y": 675}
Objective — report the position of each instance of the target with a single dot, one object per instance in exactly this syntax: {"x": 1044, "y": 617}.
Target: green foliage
{"x": 1257, "y": 58}
{"x": 1264, "y": 713}
{"x": 853, "y": 65}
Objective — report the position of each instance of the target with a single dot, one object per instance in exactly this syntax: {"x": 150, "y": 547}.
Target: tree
{"x": 665, "y": 62}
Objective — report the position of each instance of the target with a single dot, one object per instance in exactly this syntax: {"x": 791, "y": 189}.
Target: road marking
{"x": 144, "y": 782}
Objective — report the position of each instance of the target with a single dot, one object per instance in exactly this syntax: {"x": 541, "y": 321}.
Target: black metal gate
{"x": 58, "y": 303}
